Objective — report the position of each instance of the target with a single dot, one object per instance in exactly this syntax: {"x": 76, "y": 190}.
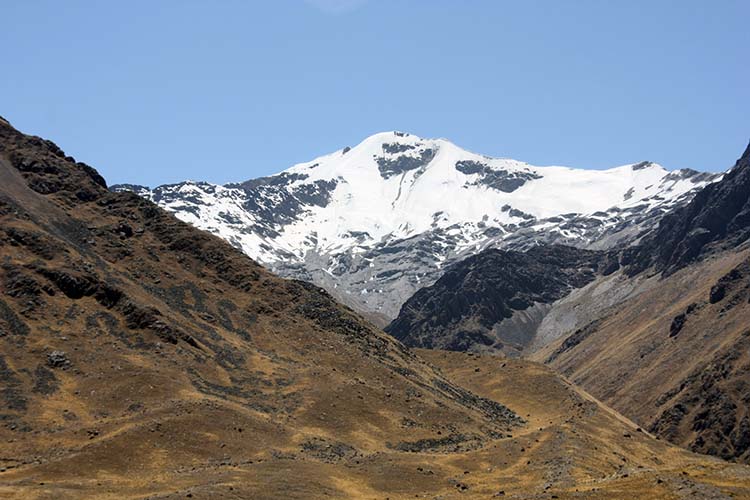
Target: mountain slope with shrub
{"x": 131, "y": 340}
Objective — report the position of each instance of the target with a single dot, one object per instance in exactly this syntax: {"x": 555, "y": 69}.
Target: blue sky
{"x": 155, "y": 92}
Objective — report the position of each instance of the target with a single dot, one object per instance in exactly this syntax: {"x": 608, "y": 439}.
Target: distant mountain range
{"x": 374, "y": 223}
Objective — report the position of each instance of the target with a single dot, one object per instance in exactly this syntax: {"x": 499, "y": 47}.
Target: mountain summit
{"x": 407, "y": 206}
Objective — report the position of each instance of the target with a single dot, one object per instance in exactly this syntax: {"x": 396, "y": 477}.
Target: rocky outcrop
{"x": 501, "y": 180}
{"x": 396, "y": 163}
{"x": 718, "y": 217}
{"x": 465, "y": 308}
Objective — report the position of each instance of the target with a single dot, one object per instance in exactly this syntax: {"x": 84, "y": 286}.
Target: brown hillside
{"x": 675, "y": 358}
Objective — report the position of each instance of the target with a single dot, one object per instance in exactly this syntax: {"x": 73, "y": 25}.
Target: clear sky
{"x": 153, "y": 92}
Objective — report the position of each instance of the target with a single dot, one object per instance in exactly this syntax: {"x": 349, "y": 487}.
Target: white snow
{"x": 435, "y": 196}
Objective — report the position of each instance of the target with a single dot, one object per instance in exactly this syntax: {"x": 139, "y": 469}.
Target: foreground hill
{"x": 141, "y": 357}
{"x": 376, "y": 222}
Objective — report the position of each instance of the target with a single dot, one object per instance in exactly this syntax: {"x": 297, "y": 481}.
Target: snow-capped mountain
{"x": 375, "y": 222}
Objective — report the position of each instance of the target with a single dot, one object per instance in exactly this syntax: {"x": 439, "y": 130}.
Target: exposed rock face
{"x": 398, "y": 158}
{"x": 465, "y": 309}
{"x": 57, "y": 359}
{"x": 502, "y": 180}
{"x": 718, "y": 217}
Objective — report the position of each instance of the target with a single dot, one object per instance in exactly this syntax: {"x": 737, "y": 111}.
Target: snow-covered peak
{"x": 388, "y": 147}
{"x": 395, "y": 185}
{"x": 367, "y": 205}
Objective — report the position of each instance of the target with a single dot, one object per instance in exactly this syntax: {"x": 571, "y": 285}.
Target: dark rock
{"x": 389, "y": 167}
{"x": 327, "y": 451}
{"x": 93, "y": 174}
{"x": 58, "y": 359}
{"x": 494, "y": 178}
{"x": 74, "y": 286}
{"x": 717, "y": 217}
{"x": 610, "y": 264}
{"x": 397, "y": 147}
{"x": 20, "y": 285}
{"x": 454, "y": 442}
{"x": 642, "y": 165}
{"x": 719, "y": 290}
{"x": 37, "y": 243}
{"x": 461, "y": 308}
{"x": 124, "y": 229}
{"x": 677, "y": 323}
{"x": 717, "y": 293}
